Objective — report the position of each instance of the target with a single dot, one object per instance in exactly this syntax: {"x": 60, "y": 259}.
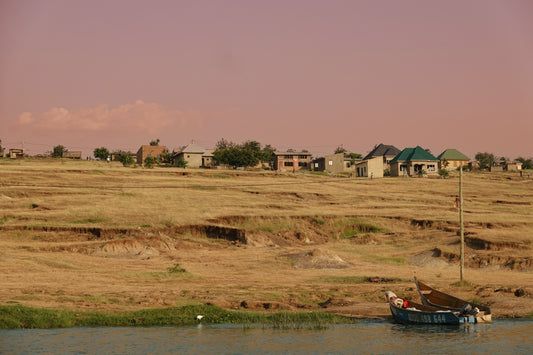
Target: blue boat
{"x": 409, "y": 312}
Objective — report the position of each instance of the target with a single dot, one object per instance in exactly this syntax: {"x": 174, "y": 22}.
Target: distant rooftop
{"x": 410, "y": 154}
{"x": 452, "y": 154}
{"x": 382, "y": 150}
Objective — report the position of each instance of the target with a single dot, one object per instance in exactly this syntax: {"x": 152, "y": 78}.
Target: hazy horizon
{"x": 299, "y": 74}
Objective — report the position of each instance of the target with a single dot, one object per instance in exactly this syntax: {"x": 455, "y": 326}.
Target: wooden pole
{"x": 461, "y": 220}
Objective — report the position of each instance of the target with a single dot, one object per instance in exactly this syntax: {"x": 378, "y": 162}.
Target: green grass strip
{"x": 18, "y": 316}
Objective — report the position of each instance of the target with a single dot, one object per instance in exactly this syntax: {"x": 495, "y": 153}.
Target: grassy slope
{"x": 412, "y": 216}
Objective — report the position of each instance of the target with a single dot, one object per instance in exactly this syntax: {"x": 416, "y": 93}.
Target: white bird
{"x": 199, "y": 317}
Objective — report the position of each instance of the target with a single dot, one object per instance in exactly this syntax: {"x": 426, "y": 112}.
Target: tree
{"x": 58, "y": 151}
{"x": 166, "y": 158}
{"x": 101, "y": 153}
{"x": 443, "y": 173}
{"x": 126, "y": 160}
{"x": 155, "y": 142}
{"x": 353, "y": 156}
{"x": 182, "y": 163}
{"x": 246, "y": 154}
{"x": 340, "y": 149}
{"x": 267, "y": 154}
{"x": 485, "y": 160}
{"x": 149, "y": 162}
{"x": 526, "y": 163}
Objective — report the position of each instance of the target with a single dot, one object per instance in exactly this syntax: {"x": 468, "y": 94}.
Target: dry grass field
{"x": 94, "y": 235}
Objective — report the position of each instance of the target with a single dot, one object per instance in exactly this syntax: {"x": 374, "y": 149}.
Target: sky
{"x": 298, "y": 74}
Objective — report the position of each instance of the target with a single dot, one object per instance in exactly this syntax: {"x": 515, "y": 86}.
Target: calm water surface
{"x": 376, "y": 337}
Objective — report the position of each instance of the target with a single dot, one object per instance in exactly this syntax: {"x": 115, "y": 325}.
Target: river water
{"x": 367, "y": 337}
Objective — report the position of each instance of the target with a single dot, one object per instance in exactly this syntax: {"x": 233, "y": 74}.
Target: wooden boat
{"x": 435, "y": 298}
{"x": 409, "y": 312}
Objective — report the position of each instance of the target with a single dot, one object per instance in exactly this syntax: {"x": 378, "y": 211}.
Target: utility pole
{"x": 461, "y": 228}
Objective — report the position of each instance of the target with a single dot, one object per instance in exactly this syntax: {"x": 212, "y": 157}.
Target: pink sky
{"x": 296, "y": 74}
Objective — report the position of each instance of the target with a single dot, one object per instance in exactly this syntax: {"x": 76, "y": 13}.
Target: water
{"x": 368, "y": 337}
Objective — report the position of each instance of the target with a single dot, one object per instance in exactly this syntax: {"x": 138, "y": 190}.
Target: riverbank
{"x": 92, "y": 236}
{"x": 15, "y": 317}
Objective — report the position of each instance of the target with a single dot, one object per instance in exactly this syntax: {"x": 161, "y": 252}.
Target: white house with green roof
{"x": 412, "y": 161}
{"x": 452, "y": 159}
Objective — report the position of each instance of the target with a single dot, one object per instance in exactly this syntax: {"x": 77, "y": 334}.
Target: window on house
{"x": 302, "y": 156}
{"x": 302, "y": 163}
{"x": 431, "y": 167}
{"x": 288, "y": 163}
{"x": 403, "y": 167}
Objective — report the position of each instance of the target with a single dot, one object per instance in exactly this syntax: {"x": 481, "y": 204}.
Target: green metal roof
{"x": 452, "y": 154}
{"x": 410, "y": 154}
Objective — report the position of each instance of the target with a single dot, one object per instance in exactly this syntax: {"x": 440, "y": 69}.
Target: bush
{"x": 150, "y": 162}
{"x": 443, "y": 173}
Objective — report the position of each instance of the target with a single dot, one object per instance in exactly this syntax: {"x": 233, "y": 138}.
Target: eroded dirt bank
{"x": 341, "y": 264}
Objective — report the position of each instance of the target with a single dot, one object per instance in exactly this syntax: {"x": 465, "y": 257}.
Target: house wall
{"x": 411, "y": 168}
{"x": 334, "y": 163}
{"x": 149, "y": 150}
{"x": 71, "y": 155}
{"x": 318, "y": 164}
{"x": 386, "y": 161}
{"x": 16, "y": 153}
{"x": 285, "y": 162}
{"x": 370, "y": 168}
{"x": 453, "y": 164}
{"x": 194, "y": 160}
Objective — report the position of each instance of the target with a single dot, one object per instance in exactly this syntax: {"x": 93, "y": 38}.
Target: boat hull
{"x": 435, "y": 298}
{"x": 405, "y": 316}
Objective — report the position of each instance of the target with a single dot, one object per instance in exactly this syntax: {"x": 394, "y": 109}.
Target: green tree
{"x": 267, "y": 154}
{"x": 353, "y": 156}
{"x": 150, "y": 162}
{"x": 246, "y": 154}
{"x": 58, "y": 151}
{"x": 155, "y": 142}
{"x": 485, "y": 160}
{"x": 443, "y": 173}
{"x": 182, "y": 163}
{"x": 127, "y": 160}
{"x": 101, "y": 153}
{"x": 340, "y": 149}
{"x": 166, "y": 158}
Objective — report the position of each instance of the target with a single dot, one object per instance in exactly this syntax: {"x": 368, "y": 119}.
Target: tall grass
{"x": 17, "y": 316}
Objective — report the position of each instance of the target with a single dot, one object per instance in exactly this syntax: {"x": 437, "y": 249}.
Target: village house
{"x": 16, "y": 153}
{"x": 71, "y": 155}
{"x": 511, "y": 165}
{"x": 146, "y": 151}
{"x": 292, "y": 161}
{"x": 372, "y": 168}
{"x": 386, "y": 152}
{"x": 333, "y": 163}
{"x": 194, "y": 155}
{"x": 452, "y": 159}
{"x": 413, "y": 161}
